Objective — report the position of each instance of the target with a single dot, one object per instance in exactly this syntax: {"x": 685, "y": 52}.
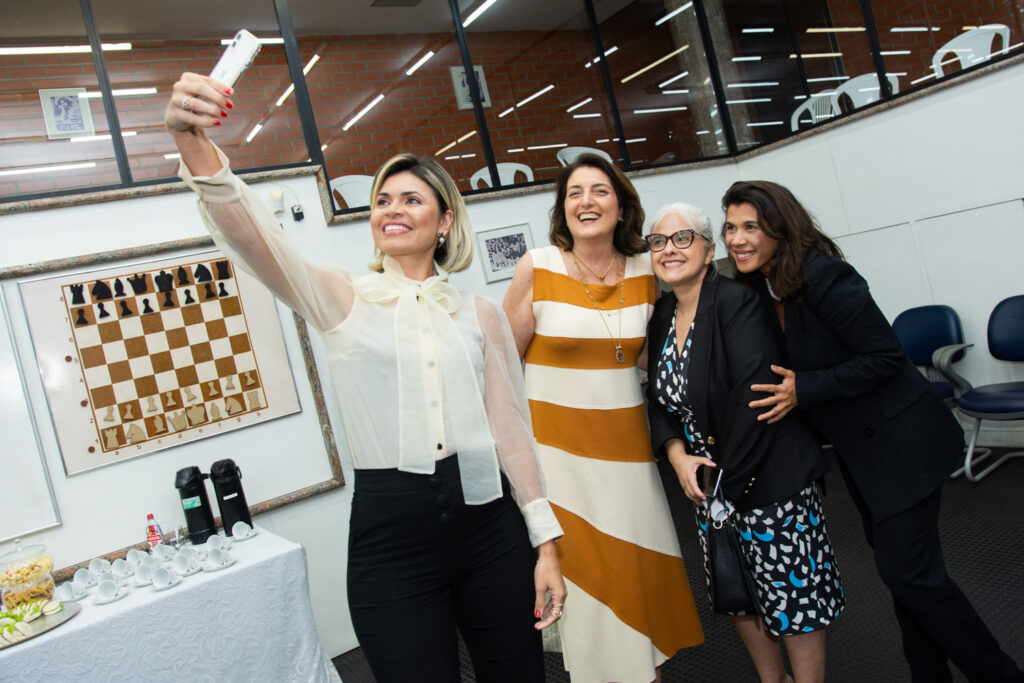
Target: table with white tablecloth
{"x": 251, "y": 621}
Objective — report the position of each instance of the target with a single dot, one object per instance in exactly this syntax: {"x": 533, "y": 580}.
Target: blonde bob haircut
{"x": 457, "y": 251}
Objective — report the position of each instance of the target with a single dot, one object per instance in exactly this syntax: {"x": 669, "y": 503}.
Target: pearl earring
{"x": 440, "y": 239}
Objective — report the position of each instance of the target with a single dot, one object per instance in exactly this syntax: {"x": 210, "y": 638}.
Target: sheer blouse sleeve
{"x": 509, "y": 416}
{"x": 244, "y": 228}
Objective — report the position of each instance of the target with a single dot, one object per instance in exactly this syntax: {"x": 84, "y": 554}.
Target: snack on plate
{"x": 25, "y": 576}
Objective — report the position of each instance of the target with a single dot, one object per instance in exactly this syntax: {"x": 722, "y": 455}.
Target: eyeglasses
{"x": 680, "y": 240}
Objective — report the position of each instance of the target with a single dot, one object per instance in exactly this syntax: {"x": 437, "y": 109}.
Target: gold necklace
{"x": 620, "y": 355}
{"x": 592, "y": 271}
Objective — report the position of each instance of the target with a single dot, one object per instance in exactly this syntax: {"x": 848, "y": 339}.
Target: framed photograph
{"x": 461, "y": 85}
{"x": 66, "y": 114}
{"x": 500, "y": 250}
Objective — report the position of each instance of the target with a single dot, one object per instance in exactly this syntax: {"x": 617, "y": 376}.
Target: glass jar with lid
{"x": 25, "y": 575}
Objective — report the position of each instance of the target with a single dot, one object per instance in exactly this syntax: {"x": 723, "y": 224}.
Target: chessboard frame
{"x": 92, "y": 262}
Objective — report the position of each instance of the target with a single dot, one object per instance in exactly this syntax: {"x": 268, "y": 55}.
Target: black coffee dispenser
{"x": 227, "y": 484}
{"x": 195, "y": 503}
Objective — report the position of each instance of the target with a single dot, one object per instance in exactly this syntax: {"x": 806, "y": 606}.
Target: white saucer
{"x": 190, "y": 572}
{"x": 239, "y": 539}
{"x": 174, "y": 582}
{"x": 100, "y": 601}
{"x": 208, "y": 568}
{"x": 137, "y": 582}
{"x": 71, "y": 599}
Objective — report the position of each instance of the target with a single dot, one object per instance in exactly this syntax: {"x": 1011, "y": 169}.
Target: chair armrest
{"x": 942, "y": 360}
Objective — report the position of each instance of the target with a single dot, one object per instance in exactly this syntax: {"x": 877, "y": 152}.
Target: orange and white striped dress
{"x": 629, "y": 606}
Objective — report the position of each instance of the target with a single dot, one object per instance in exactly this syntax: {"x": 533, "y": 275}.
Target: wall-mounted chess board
{"x": 134, "y": 361}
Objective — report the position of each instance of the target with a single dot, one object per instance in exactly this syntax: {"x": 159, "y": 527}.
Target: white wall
{"x": 925, "y": 199}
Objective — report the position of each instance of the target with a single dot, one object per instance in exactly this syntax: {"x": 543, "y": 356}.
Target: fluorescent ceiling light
{"x": 636, "y": 140}
{"x": 890, "y": 53}
{"x": 517, "y": 149}
{"x": 291, "y": 87}
{"x": 176, "y": 155}
{"x": 120, "y": 92}
{"x": 263, "y": 41}
{"x": 309, "y": 65}
{"x": 754, "y": 84}
{"x": 703, "y": 132}
{"x": 674, "y": 79}
{"x": 675, "y": 92}
{"x": 766, "y": 123}
{"x": 363, "y": 111}
{"x": 466, "y": 136}
{"x": 49, "y": 169}
{"x": 477, "y": 12}
{"x": 818, "y": 55}
{"x": 578, "y": 105}
{"x": 452, "y": 157}
{"x": 62, "y": 49}
{"x": 585, "y": 116}
{"x": 750, "y": 101}
{"x": 536, "y": 95}
{"x": 671, "y": 14}
{"x": 256, "y": 129}
{"x": 909, "y": 29}
{"x": 923, "y": 78}
{"x": 746, "y": 59}
{"x": 846, "y": 29}
{"x": 506, "y": 112}
{"x": 595, "y": 60}
{"x": 323, "y": 146}
{"x": 604, "y": 140}
{"x": 288, "y": 91}
{"x": 758, "y": 30}
{"x": 468, "y": 156}
{"x": 658, "y": 110}
{"x": 557, "y": 144}
{"x": 97, "y": 138}
{"x": 650, "y": 66}
{"x": 825, "y": 79}
{"x": 445, "y": 148}
{"x": 421, "y": 62}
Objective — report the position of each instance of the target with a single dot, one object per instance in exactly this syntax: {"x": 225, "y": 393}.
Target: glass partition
{"x": 53, "y": 127}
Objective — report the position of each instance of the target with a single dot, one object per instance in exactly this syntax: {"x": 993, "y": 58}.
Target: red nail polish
{"x": 536, "y": 614}
{"x": 228, "y": 91}
{"x": 216, "y": 122}
{"x": 229, "y": 105}
{"x": 223, "y": 113}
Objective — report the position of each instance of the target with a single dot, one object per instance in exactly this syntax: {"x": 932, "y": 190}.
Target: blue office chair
{"x": 1003, "y": 401}
{"x": 933, "y": 339}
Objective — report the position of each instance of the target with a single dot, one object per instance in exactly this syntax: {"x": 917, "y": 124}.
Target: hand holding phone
{"x": 709, "y": 479}
{"x": 236, "y": 58}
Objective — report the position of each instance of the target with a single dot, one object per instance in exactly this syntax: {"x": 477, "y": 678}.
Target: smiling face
{"x": 591, "y": 206}
{"x": 680, "y": 267}
{"x": 406, "y": 218}
{"x": 749, "y": 245}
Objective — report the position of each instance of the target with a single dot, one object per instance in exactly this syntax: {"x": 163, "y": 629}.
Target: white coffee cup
{"x": 83, "y": 577}
{"x": 70, "y": 591}
{"x": 120, "y": 568}
{"x": 144, "y": 574}
{"x": 162, "y": 552}
{"x": 149, "y": 561}
{"x": 215, "y": 542}
{"x": 240, "y": 529}
{"x": 98, "y": 566}
{"x": 217, "y": 557}
{"x": 108, "y": 589}
{"x": 162, "y": 577}
{"x": 133, "y": 556}
{"x": 183, "y": 563}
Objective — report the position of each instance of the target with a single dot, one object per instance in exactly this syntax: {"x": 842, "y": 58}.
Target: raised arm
{"x": 518, "y": 304}
{"x": 241, "y": 224}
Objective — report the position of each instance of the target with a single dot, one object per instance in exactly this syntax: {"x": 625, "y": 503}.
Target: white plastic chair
{"x": 506, "y": 173}
{"x": 821, "y": 106}
{"x": 567, "y": 155}
{"x": 354, "y": 189}
{"x": 864, "y": 89}
{"x": 971, "y": 47}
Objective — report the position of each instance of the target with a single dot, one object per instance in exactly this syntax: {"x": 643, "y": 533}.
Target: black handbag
{"x": 732, "y": 588}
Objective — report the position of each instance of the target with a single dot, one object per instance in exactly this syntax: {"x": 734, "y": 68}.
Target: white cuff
{"x": 220, "y": 188}
{"x": 540, "y": 521}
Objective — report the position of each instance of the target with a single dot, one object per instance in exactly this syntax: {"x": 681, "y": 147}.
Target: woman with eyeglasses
{"x": 449, "y": 503}
{"x": 848, "y": 376}
{"x": 709, "y": 341}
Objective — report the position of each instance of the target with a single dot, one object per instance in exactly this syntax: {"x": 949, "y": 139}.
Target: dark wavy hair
{"x": 628, "y": 238}
{"x": 782, "y": 217}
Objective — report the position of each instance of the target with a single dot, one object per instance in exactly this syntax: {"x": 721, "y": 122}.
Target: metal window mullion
{"x": 474, "y": 93}
{"x": 103, "y": 78}
{"x": 606, "y": 78}
{"x": 301, "y": 93}
{"x": 716, "y": 76}
{"x": 885, "y": 87}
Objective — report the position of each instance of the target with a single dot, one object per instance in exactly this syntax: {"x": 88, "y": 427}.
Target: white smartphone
{"x": 236, "y": 58}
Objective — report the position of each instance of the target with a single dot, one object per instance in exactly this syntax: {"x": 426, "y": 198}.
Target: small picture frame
{"x": 461, "y": 85}
{"x": 501, "y": 248}
{"x": 66, "y": 114}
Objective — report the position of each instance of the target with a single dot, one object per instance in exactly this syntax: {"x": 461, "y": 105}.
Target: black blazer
{"x": 732, "y": 347}
{"x": 858, "y": 389}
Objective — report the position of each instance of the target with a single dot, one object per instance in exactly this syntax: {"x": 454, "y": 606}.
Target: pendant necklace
{"x": 592, "y": 271}
{"x": 620, "y": 355}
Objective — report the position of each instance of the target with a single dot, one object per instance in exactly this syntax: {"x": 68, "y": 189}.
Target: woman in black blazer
{"x": 896, "y": 442}
{"x": 710, "y": 340}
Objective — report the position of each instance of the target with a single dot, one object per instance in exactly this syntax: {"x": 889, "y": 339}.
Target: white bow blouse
{"x": 420, "y": 370}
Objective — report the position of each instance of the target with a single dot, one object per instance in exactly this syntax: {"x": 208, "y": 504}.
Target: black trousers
{"x": 937, "y": 621}
{"x": 422, "y": 562}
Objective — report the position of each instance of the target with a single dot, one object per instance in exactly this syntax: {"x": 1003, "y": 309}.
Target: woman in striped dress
{"x": 579, "y": 310}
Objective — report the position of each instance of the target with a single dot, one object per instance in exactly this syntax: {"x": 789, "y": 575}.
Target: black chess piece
{"x": 203, "y": 273}
{"x": 76, "y": 295}
{"x": 146, "y": 308}
{"x": 223, "y": 272}
{"x": 221, "y": 290}
{"x": 168, "y": 301}
{"x": 138, "y": 283}
{"x": 80, "y": 320}
{"x": 164, "y": 281}
{"x": 118, "y": 288}
{"x": 182, "y": 276}
{"x": 104, "y": 313}
{"x": 125, "y": 311}
{"x": 188, "y": 297}
{"x": 101, "y": 291}
{"x": 209, "y": 291}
